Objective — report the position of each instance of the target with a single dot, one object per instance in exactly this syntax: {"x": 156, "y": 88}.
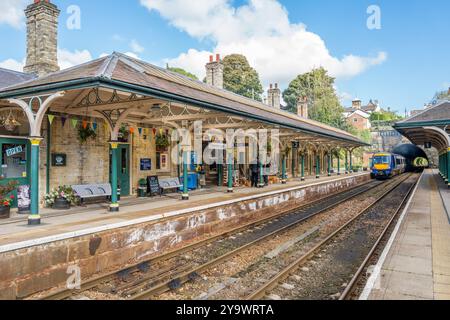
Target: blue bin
{"x": 192, "y": 181}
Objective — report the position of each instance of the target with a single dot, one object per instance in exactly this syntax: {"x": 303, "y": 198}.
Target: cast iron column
{"x": 230, "y": 171}
{"x": 185, "y": 195}
{"x": 114, "y": 206}
{"x": 34, "y": 218}
{"x": 448, "y": 166}
{"x": 303, "y": 167}
{"x": 318, "y": 167}
{"x": 283, "y": 171}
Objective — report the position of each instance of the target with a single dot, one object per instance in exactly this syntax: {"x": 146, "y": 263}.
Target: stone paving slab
{"x": 418, "y": 264}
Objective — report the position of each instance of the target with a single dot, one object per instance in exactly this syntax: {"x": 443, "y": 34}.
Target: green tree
{"x": 239, "y": 77}
{"x": 182, "y": 72}
{"x": 323, "y": 102}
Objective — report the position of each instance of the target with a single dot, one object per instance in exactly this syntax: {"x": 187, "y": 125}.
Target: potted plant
{"x": 6, "y": 199}
{"x": 60, "y": 198}
{"x": 162, "y": 142}
{"x": 142, "y": 189}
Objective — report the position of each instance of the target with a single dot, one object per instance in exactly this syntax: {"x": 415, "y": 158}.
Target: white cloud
{"x": 261, "y": 30}
{"x": 12, "y": 64}
{"x": 67, "y": 59}
{"x": 136, "y": 47}
{"x": 11, "y": 12}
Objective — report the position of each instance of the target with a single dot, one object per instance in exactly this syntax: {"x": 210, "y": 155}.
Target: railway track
{"x": 144, "y": 281}
{"x": 340, "y": 243}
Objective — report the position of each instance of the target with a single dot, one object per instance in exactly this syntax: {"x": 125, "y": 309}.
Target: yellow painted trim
{"x": 36, "y": 141}
{"x": 114, "y": 205}
{"x": 114, "y": 145}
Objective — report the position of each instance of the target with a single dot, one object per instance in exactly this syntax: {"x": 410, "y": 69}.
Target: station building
{"x": 118, "y": 120}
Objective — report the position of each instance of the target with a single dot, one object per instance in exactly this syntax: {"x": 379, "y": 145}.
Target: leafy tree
{"x": 384, "y": 116}
{"x": 239, "y": 77}
{"x": 318, "y": 87}
{"x": 183, "y": 72}
{"x": 441, "y": 95}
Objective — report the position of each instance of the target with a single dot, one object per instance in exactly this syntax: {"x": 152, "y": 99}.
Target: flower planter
{"x": 5, "y": 212}
{"x": 61, "y": 204}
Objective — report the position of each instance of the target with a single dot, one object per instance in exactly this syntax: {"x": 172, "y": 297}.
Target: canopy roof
{"x": 430, "y": 126}
{"x": 121, "y": 72}
{"x": 10, "y": 77}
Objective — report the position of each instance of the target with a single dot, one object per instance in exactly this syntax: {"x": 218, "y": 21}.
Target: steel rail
{"x": 350, "y": 287}
{"x": 188, "y": 276}
{"x": 95, "y": 281}
{"x": 285, "y": 273}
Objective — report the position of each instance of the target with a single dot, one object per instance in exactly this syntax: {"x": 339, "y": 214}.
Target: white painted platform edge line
{"x": 377, "y": 270}
{"x": 84, "y": 232}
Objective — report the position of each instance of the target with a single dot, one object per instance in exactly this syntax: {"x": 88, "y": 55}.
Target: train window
{"x": 381, "y": 160}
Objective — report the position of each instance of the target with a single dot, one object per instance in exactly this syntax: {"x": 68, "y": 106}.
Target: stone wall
{"x": 42, "y": 267}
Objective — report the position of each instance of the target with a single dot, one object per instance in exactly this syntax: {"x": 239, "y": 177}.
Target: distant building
{"x": 359, "y": 120}
{"x": 371, "y": 107}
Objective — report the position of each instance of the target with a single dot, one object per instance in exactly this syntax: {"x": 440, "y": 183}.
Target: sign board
{"x": 153, "y": 185}
{"x": 13, "y": 151}
{"x": 59, "y": 160}
{"x": 23, "y": 198}
{"x": 146, "y": 164}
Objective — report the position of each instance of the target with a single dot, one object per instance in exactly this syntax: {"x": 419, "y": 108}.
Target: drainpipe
{"x": 34, "y": 218}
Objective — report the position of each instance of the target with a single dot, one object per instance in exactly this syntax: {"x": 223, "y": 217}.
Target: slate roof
{"x": 119, "y": 69}
{"x": 10, "y": 77}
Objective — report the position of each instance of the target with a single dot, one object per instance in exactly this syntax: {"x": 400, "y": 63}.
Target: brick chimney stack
{"x": 214, "y": 72}
{"x": 356, "y": 104}
{"x": 274, "y": 96}
{"x": 302, "y": 107}
{"x": 42, "y": 38}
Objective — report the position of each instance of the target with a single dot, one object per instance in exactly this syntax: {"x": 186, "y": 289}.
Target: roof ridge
{"x": 245, "y": 100}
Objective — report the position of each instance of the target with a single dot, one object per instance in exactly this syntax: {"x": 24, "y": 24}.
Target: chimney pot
{"x": 271, "y": 86}
{"x": 276, "y": 85}
{"x": 217, "y": 57}
{"x": 211, "y": 58}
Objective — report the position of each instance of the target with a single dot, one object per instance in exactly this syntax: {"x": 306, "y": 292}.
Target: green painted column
{"x": 329, "y": 164}
{"x": 351, "y": 162}
{"x": 261, "y": 183}
{"x": 303, "y": 167}
{"x": 230, "y": 171}
{"x": 318, "y": 167}
{"x": 185, "y": 195}
{"x": 283, "y": 172}
{"x": 114, "y": 206}
{"x": 448, "y": 166}
{"x": 34, "y": 218}
{"x": 346, "y": 162}
{"x": 220, "y": 173}
{"x": 339, "y": 165}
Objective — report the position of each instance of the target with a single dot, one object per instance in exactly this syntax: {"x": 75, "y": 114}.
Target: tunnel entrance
{"x": 416, "y": 158}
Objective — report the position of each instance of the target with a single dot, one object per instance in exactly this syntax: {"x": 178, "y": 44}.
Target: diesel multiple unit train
{"x": 387, "y": 165}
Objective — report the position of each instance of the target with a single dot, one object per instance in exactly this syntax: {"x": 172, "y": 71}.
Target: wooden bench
{"x": 92, "y": 191}
{"x": 169, "y": 184}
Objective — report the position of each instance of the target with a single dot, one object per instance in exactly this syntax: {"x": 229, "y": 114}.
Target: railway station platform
{"x": 34, "y": 259}
{"x": 415, "y": 264}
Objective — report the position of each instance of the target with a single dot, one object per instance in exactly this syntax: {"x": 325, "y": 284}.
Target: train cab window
{"x": 381, "y": 160}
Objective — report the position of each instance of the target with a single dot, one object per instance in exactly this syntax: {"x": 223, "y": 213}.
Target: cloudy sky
{"x": 401, "y": 64}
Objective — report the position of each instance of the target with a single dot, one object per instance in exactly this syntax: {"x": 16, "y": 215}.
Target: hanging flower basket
{"x": 162, "y": 142}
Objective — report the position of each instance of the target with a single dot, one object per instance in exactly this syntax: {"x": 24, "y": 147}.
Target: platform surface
{"x": 15, "y": 231}
{"x": 417, "y": 265}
